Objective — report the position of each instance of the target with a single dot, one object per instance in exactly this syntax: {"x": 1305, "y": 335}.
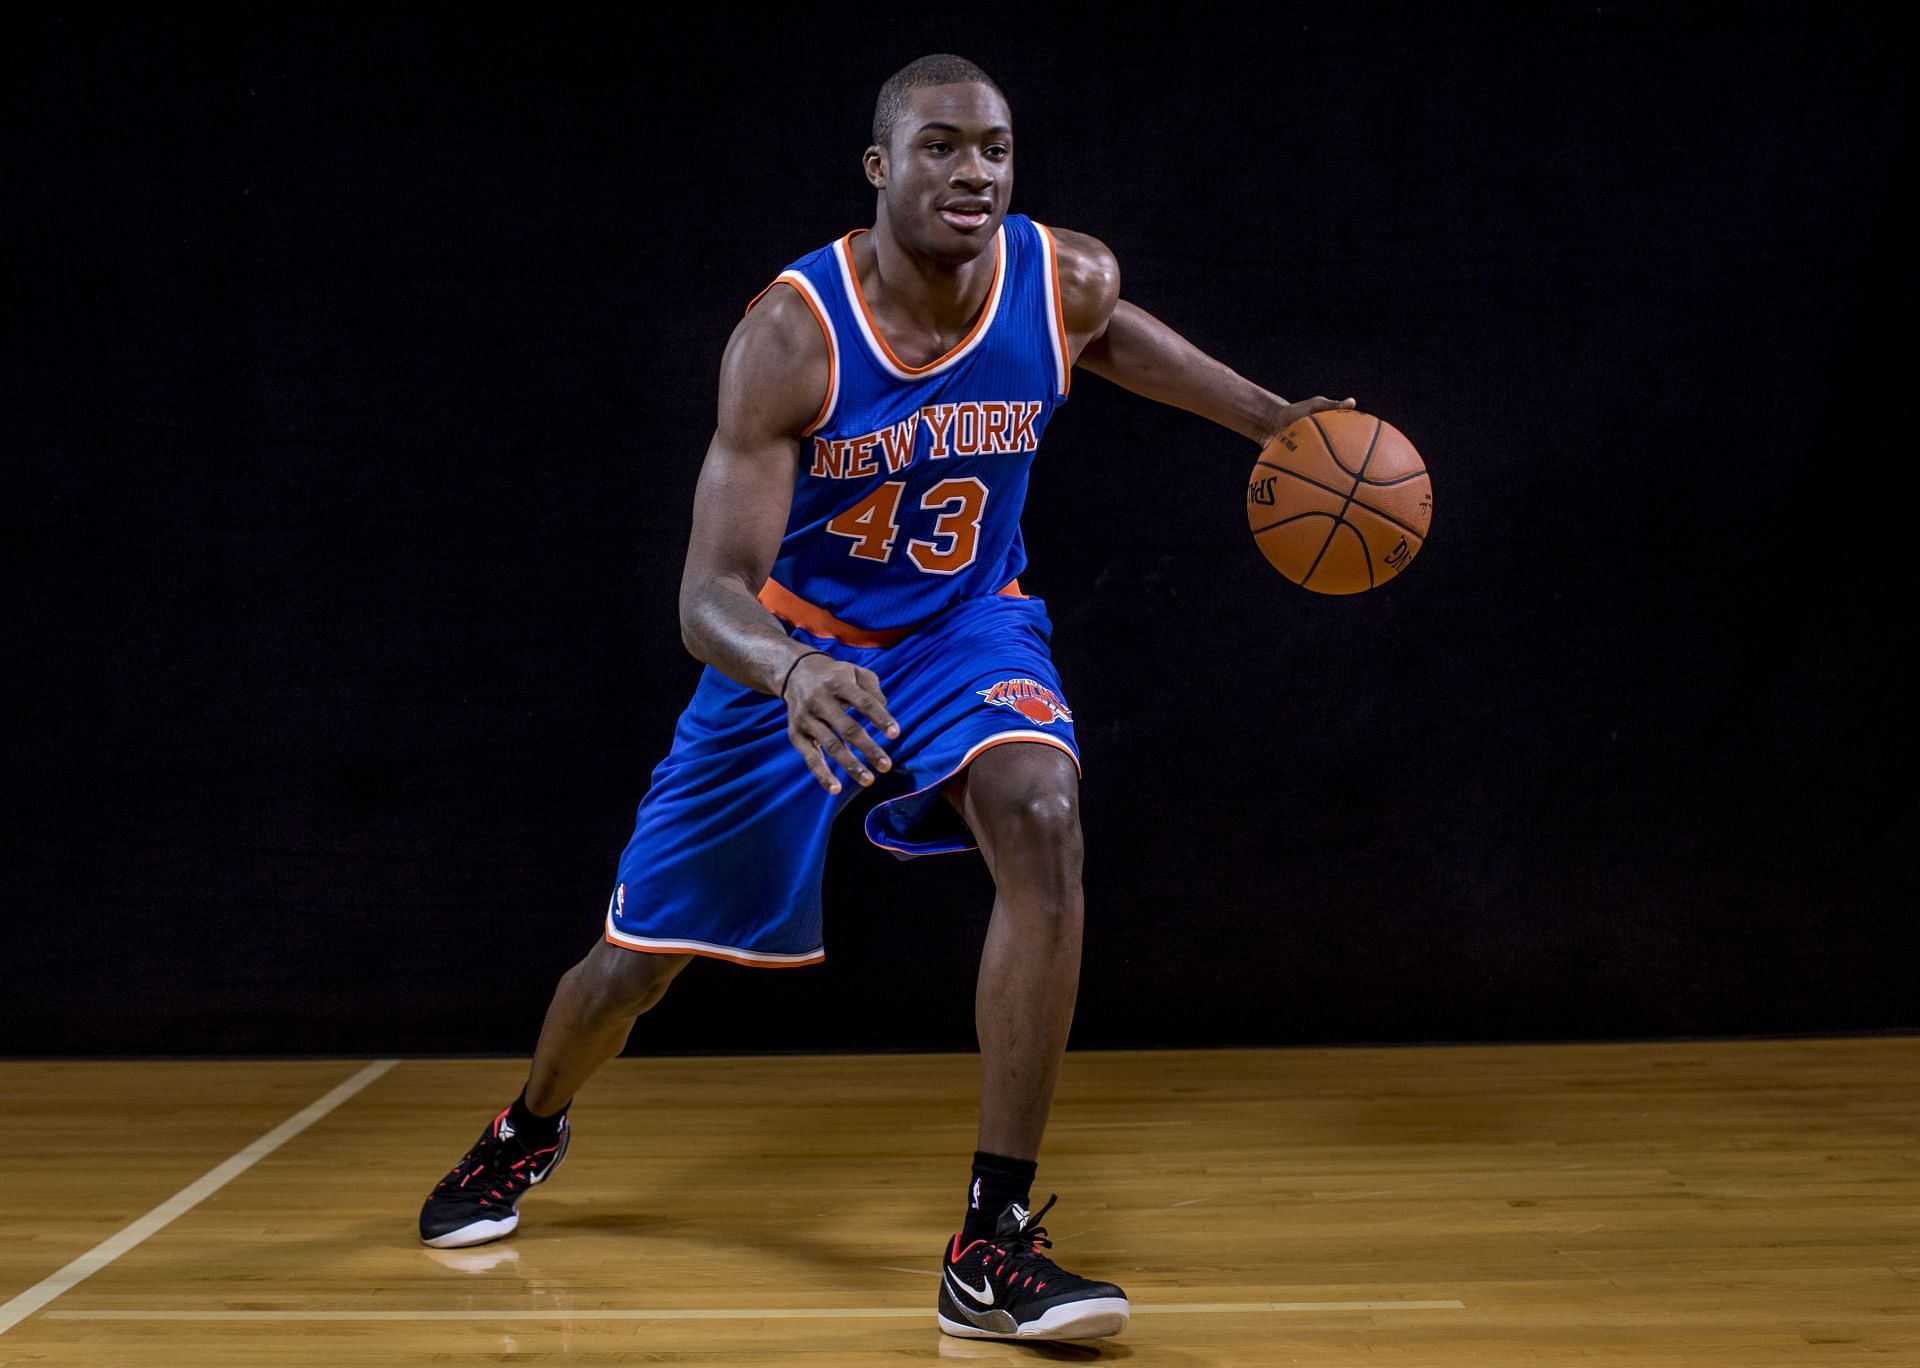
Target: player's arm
{"x": 772, "y": 378}
{"x": 1129, "y": 346}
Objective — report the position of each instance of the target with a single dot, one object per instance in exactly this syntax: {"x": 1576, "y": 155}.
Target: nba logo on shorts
{"x": 620, "y": 898}
{"x": 1030, "y": 698}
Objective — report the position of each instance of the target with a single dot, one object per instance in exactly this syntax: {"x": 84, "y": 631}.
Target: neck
{"x": 948, "y": 294}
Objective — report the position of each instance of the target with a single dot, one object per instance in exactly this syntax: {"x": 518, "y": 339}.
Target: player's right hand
{"x": 1289, "y": 414}
{"x": 819, "y": 691}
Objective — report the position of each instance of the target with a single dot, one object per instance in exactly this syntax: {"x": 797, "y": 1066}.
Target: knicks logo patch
{"x": 1031, "y": 699}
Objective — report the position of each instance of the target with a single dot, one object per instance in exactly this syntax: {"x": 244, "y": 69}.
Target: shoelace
{"x": 1021, "y": 1261}
{"x": 488, "y": 1160}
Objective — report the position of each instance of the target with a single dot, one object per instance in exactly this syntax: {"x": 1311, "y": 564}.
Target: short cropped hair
{"x": 941, "y": 68}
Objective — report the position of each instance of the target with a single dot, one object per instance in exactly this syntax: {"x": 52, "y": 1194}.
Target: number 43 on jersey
{"x": 873, "y": 525}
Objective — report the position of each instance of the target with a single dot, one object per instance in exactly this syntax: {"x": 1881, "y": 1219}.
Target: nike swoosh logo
{"x": 984, "y": 1296}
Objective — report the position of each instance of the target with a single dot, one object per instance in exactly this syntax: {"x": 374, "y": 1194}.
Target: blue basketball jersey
{"x": 912, "y": 478}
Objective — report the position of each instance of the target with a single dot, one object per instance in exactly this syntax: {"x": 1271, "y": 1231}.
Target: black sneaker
{"x": 1005, "y": 1288}
{"x": 478, "y": 1201}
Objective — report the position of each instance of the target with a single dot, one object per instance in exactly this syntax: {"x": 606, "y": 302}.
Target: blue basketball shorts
{"x": 731, "y": 839}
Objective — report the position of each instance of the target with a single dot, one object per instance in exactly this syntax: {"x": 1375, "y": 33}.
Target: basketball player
{"x": 852, "y": 585}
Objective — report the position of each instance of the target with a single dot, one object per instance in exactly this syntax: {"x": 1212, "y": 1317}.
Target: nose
{"x": 971, "y": 172}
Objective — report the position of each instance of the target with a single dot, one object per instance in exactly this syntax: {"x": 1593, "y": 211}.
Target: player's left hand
{"x": 1289, "y": 414}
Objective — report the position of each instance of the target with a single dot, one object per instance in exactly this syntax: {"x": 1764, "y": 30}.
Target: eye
{"x": 937, "y": 147}
{"x": 997, "y": 152}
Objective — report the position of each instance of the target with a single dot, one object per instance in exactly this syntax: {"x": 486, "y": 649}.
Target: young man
{"x": 852, "y": 571}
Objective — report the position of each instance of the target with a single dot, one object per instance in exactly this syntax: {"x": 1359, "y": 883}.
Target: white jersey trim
{"x": 708, "y": 948}
{"x": 857, "y": 306}
{"x": 1056, "y": 329}
{"x": 825, "y": 319}
{"x": 973, "y": 753}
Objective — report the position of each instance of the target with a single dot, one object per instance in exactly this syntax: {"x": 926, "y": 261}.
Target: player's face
{"x": 947, "y": 174}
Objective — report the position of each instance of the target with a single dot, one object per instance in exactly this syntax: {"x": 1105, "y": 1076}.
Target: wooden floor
{"x": 1701, "y": 1204}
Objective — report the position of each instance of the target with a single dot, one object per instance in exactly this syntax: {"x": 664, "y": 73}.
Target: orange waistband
{"x": 783, "y": 603}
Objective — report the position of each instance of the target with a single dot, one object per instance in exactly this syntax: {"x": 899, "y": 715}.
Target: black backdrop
{"x": 360, "y": 371}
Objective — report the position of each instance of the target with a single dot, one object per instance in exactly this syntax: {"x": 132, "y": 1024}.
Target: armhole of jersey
{"x": 1056, "y": 314}
{"x": 804, "y": 288}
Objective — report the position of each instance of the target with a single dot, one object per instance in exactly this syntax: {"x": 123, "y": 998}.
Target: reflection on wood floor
{"x": 1744, "y": 1203}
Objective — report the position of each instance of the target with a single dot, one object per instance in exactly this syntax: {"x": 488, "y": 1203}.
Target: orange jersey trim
{"x": 1032, "y": 738}
{"x": 783, "y": 603}
{"x": 646, "y": 945}
{"x": 986, "y": 308}
{"x": 1059, "y": 310}
{"x": 833, "y": 360}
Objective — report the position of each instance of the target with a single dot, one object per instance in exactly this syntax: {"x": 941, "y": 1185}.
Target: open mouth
{"x": 966, "y": 218}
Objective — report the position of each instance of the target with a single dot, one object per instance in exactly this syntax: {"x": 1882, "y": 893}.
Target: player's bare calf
{"x": 593, "y": 1010}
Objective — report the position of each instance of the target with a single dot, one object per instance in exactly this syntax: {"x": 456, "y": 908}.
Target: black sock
{"x": 535, "y": 1132}
{"x": 997, "y": 1180}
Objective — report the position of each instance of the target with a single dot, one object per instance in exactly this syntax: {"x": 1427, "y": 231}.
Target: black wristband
{"x": 790, "y": 669}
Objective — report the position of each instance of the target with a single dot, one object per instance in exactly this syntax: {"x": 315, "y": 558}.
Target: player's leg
{"x": 590, "y": 1017}
{"x": 1021, "y": 801}
{"x": 725, "y": 861}
{"x": 992, "y": 732}
{"x": 588, "y": 1021}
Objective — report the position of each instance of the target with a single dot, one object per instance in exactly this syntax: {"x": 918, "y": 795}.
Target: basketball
{"x": 1339, "y": 502}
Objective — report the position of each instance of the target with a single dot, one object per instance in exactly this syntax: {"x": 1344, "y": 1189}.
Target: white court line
{"x": 701, "y": 1313}
{"x": 183, "y": 1201}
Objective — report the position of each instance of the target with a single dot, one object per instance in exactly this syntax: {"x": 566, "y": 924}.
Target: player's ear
{"x": 875, "y": 161}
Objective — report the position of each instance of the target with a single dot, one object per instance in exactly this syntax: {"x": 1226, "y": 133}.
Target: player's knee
{"x": 621, "y": 982}
{"x": 1051, "y": 818}
{"x": 1042, "y": 826}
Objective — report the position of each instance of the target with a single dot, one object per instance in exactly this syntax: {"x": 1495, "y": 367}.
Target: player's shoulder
{"x": 782, "y": 323}
{"x": 779, "y": 360}
{"x": 1089, "y": 279}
